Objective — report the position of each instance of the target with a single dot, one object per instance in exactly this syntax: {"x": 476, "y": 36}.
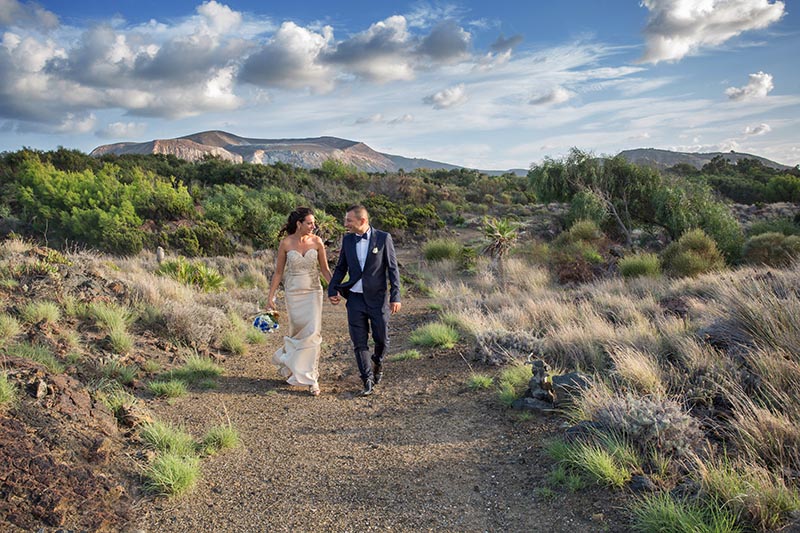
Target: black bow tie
{"x": 362, "y": 236}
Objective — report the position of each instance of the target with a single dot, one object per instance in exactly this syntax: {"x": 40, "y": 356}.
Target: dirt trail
{"x": 424, "y": 453}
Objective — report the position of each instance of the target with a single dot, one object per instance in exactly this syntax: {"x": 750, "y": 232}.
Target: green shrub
{"x": 197, "y": 274}
{"x": 438, "y": 249}
{"x": 773, "y": 249}
{"x": 172, "y": 474}
{"x": 573, "y": 261}
{"x": 787, "y": 226}
{"x": 693, "y": 254}
{"x": 8, "y": 392}
{"x": 638, "y": 265}
{"x": 435, "y": 335}
{"x": 586, "y": 205}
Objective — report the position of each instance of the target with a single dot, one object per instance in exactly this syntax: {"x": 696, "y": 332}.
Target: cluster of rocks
{"x": 547, "y": 392}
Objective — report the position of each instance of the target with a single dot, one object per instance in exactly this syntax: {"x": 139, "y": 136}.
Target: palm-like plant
{"x": 501, "y": 235}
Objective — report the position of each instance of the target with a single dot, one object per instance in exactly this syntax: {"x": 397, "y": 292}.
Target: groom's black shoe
{"x": 377, "y": 371}
{"x": 367, "y": 388}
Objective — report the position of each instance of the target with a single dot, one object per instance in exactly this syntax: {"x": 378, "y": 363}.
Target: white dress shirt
{"x": 362, "y": 248}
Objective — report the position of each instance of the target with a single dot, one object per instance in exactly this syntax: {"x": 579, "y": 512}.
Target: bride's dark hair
{"x": 298, "y": 215}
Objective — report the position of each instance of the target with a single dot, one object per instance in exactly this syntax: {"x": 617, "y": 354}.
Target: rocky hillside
{"x": 662, "y": 159}
{"x": 305, "y": 153}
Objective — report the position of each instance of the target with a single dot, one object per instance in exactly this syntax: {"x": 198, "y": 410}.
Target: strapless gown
{"x": 298, "y": 358}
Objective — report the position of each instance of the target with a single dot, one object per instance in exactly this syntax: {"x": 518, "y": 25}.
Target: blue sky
{"x": 491, "y": 85}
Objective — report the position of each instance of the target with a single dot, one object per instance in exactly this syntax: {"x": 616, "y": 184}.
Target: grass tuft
{"x": 435, "y": 335}
{"x": 168, "y": 439}
{"x": 35, "y": 312}
{"x": 36, "y": 352}
{"x": 8, "y": 392}
{"x": 172, "y": 474}
{"x": 9, "y": 328}
{"x": 480, "y": 381}
{"x": 173, "y": 388}
{"x": 219, "y": 438}
{"x": 408, "y": 355}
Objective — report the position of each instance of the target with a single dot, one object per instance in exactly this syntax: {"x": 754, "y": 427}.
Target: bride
{"x": 301, "y": 259}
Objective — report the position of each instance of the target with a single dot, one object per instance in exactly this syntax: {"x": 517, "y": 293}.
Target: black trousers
{"x": 360, "y": 320}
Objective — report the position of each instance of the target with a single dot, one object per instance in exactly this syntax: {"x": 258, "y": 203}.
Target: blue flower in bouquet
{"x": 266, "y": 322}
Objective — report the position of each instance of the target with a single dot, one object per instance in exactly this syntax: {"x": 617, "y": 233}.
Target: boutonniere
{"x": 375, "y": 250}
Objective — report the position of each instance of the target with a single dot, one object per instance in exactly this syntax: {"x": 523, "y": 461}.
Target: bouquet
{"x": 266, "y": 322}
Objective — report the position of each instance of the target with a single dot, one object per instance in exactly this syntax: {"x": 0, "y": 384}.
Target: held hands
{"x": 335, "y": 299}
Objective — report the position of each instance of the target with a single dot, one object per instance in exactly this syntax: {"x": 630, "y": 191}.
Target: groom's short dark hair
{"x": 358, "y": 210}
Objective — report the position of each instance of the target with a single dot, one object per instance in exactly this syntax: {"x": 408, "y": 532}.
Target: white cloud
{"x": 76, "y": 123}
{"x": 291, "y": 60}
{"x": 555, "y": 96}
{"x": 219, "y": 18}
{"x": 14, "y": 13}
{"x": 122, "y": 130}
{"x": 677, "y": 28}
{"x": 444, "y": 99}
{"x": 759, "y": 85}
{"x": 759, "y": 129}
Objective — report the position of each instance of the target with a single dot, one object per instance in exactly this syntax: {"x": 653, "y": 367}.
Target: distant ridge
{"x": 662, "y": 159}
{"x": 312, "y": 152}
{"x": 307, "y": 153}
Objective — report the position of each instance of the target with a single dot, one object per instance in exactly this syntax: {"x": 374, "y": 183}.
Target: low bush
{"x": 439, "y": 249}
{"x": 640, "y": 265}
{"x": 196, "y": 274}
{"x": 772, "y": 249}
{"x": 693, "y": 254}
{"x": 786, "y": 226}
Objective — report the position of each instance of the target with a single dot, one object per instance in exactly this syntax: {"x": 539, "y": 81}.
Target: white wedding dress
{"x": 298, "y": 358}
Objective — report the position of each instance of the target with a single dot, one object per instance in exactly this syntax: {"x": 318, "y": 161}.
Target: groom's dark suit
{"x": 370, "y": 308}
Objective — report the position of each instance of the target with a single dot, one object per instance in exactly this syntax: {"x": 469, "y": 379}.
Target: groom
{"x": 367, "y": 257}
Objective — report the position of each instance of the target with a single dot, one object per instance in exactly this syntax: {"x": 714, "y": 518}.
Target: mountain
{"x": 662, "y": 159}
{"x": 306, "y": 153}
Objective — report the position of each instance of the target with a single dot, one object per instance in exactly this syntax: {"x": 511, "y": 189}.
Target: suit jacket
{"x": 380, "y": 269}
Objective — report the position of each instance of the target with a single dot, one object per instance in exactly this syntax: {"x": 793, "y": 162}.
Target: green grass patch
{"x": 9, "y": 328}
{"x": 168, "y": 439}
{"x": 440, "y": 249}
{"x": 120, "y": 340}
{"x": 122, "y": 373}
{"x": 435, "y": 335}
{"x": 660, "y": 512}
{"x": 480, "y": 381}
{"x": 115, "y": 397}
{"x": 234, "y": 342}
{"x": 151, "y": 366}
{"x": 254, "y": 336}
{"x": 219, "y": 438}
{"x": 172, "y": 474}
{"x": 109, "y": 316}
{"x": 512, "y": 383}
{"x": 35, "y": 312}
{"x": 36, "y": 352}
{"x": 173, "y": 388}
{"x": 407, "y": 355}
{"x": 639, "y": 265}
{"x": 8, "y": 392}
{"x": 599, "y": 464}
{"x": 196, "y": 369}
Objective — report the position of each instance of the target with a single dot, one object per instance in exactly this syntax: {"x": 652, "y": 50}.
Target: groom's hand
{"x": 335, "y": 299}
{"x": 394, "y": 307}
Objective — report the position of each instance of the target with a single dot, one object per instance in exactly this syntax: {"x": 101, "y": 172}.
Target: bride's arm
{"x": 323, "y": 261}
{"x": 277, "y": 276}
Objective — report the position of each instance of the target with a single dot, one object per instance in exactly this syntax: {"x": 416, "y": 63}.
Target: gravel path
{"x": 424, "y": 453}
